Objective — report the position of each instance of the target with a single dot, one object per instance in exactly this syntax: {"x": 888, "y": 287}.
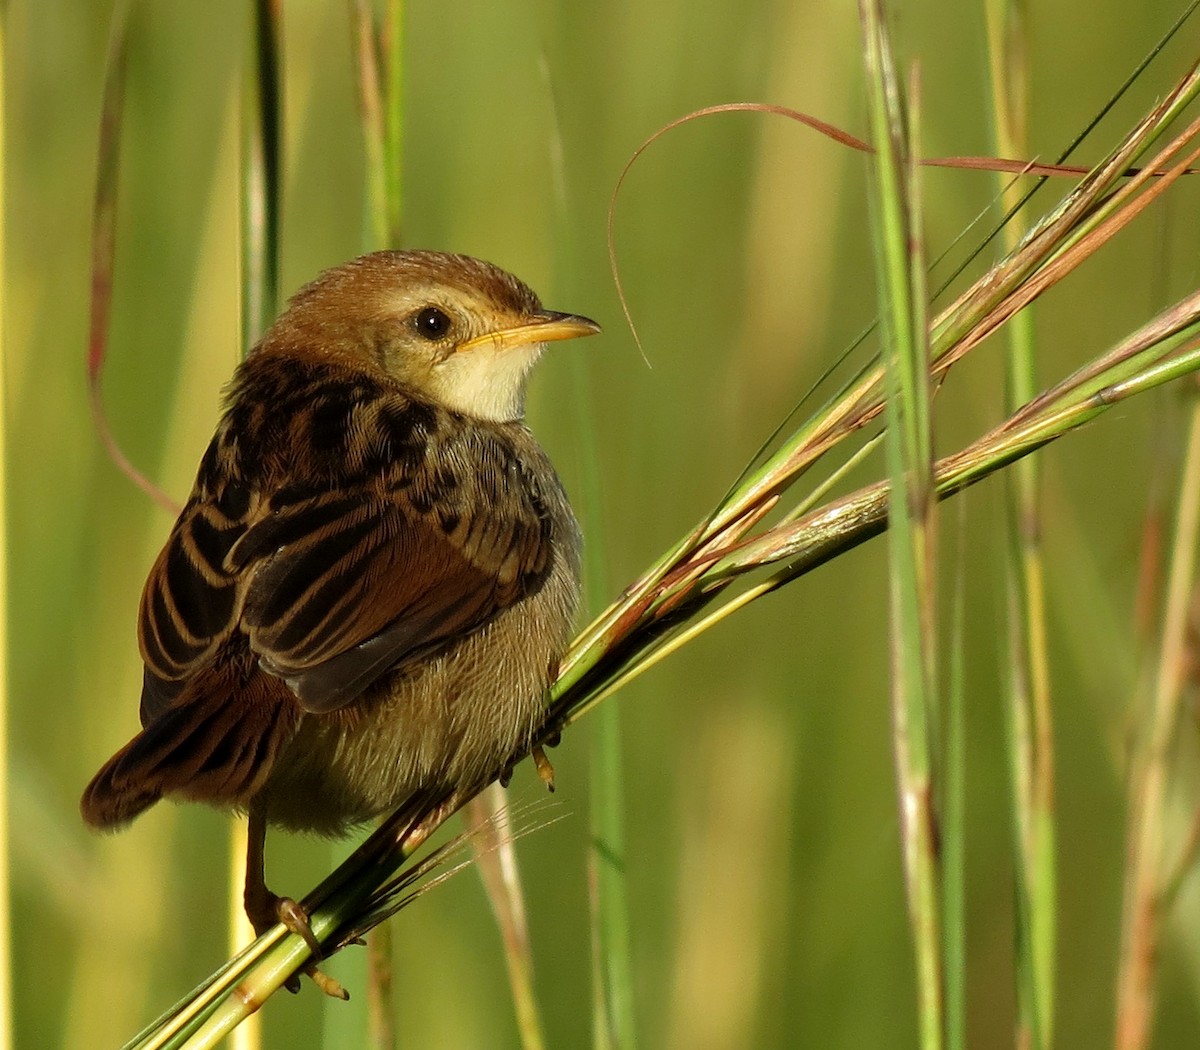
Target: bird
{"x": 367, "y": 593}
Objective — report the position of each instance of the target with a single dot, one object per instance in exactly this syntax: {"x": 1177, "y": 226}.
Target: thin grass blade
{"x": 1031, "y": 736}
{"x": 900, "y": 279}
{"x": 378, "y": 53}
{"x": 612, "y": 1016}
{"x": 370, "y": 106}
{"x": 261, "y": 164}
{"x": 391, "y": 52}
{"x": 496, "y": 857}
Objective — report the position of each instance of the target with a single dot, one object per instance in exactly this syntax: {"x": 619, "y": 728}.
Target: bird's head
{"x": 461, "y": 332}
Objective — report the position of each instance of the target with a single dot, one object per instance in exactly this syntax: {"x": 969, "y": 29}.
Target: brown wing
{"x": 334, "y": 585}
{"x": 190, "y": 602}
{"x": 350, "y": 584}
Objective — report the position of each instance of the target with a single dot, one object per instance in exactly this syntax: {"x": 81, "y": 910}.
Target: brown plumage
{"x": 376, "y": 570}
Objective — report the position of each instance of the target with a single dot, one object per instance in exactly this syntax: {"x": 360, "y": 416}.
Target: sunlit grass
{"x": 744, "y": 252}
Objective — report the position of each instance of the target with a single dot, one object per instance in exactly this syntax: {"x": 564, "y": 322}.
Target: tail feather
{"x": 216, "y": 743}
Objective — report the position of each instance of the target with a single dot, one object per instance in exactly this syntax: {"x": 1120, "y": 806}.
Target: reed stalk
{"x": 1030, "y": 718}
{"x": 912, "y": 524}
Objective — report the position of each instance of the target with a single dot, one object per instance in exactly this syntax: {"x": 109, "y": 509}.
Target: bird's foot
{"x": 271, "y": 909}
{"x": 544, "y": 769}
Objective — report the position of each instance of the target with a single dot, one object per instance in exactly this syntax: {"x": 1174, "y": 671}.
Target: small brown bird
{"x": 376, "y": 573}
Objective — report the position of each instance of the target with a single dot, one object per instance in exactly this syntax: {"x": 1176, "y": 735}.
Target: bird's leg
{"x": 264, "y": 909}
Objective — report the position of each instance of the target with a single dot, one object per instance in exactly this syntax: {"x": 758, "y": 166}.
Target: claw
{"x": 295, "y": 919}
{"x": 327, "y": 984}
{"x": 544, "y": 769}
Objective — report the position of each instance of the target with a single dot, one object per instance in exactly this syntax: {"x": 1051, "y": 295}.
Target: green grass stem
{"x": 612, "y": 1006}
{"x": 392, "y": 54}
{"x": 1030, "y": 719}
{"x": 912, "y": 545}
{"x": 261, "y": 164}
{"x": 379, "y": 59}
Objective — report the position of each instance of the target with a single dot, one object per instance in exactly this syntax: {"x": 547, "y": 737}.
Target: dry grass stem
{"x": 1147, "y": 879}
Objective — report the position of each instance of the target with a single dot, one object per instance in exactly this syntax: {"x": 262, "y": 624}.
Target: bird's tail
{"x": 216, "y": 743}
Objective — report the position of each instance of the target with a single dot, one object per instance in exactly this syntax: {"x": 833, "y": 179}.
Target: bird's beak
{"x": 546, "y": 327}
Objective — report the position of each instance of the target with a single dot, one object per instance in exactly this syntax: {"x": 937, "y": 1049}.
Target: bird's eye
{"x": 432, "y": 323}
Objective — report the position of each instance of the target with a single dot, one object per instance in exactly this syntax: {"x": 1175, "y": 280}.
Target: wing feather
{"x": 403, "y": 570}
{"x": 417, "y": 529}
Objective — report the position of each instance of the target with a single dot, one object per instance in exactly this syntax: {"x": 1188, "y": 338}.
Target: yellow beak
{"x": 546, "y": 327}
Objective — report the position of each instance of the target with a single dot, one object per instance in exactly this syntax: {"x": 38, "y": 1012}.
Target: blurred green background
{"x": 766, "y": 895}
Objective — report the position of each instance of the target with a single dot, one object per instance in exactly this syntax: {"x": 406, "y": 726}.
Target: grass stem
{"x": 1030, "y": 720}
{"x": 908, "y": 444}
{"x": 1146, "y": 878}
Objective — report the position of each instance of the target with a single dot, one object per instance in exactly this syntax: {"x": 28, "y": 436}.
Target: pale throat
{"x": 486, "y": 383}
